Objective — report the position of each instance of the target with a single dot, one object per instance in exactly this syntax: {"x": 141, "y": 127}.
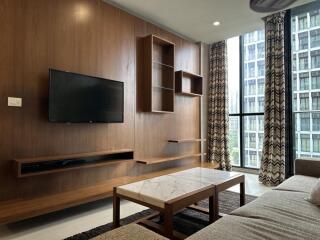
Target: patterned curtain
{"x": 218, "y": 119}
{"x": 272, "y": 170}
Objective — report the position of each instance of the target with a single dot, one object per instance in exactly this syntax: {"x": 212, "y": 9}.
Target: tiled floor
{"x": 68, "y": 222}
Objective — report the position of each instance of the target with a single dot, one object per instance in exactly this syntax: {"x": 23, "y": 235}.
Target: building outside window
{"x": 260, "y": 137}
{"x": 294, "y": 83}
{"x": 315, "y": 121}
{"x": 294, "y": 62}
{"x": 316, "y": 143}
{"x": 304, "y": 121}
{"x": 315, "y": 18}
{"x": 306, "y": 79}
{"x": 251, "y": 70}
{"x": 303, "y": 61}
{"x": 260, "y": 104}
{"x": 251, "y": 52}
{"x": 315, "y": 96}
{"x": 303, "y": 22}
{"x": 315, "y": 59}
{"x": 249, "y": 116}
{"x": 260, "y": 66}
{"x": 251, "y": 89}
{"x": 294, "y": 102}
{"x": 261, "y": 86}
{"x": 303, "y": 40}
{"x": 261, "y": 50}
{"x": 304, "y": 101}
{"x": 315, "y": 38}
{"x": 305, "y": 143}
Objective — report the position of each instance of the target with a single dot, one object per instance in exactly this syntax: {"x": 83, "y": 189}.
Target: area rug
{"x": 187, "y": 222}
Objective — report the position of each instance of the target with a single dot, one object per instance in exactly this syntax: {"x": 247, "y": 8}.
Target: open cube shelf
{"x": 159, "y": 76}
{"x": 188, "y": 83}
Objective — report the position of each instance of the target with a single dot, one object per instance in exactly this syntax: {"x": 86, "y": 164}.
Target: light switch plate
{"x": 14, "y": 102}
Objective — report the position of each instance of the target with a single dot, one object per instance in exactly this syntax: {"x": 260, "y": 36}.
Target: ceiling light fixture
{"x": 216, "y": 23}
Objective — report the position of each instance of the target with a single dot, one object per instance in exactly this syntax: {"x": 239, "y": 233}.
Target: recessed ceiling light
{"x": 216, "y": 23}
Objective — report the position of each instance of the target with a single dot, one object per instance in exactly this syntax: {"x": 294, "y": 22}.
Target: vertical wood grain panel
{"x": 93, "y": 38}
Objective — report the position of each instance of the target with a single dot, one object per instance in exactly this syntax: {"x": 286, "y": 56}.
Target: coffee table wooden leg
{"x": 242, "y": 194}
{"x": 211, "y": 209}
{"x": 168, "y": 221}
{"x": 116, "y": 209}
{"x": 215, "y": 205}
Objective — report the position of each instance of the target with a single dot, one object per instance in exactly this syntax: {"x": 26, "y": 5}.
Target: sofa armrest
{"x": 308, "y": 167}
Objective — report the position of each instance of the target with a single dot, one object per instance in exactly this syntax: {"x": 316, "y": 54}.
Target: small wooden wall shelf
{"x": 187, "y": 140}
{"x": 166, "y": 159}
{"x": 159, "y": 75}
{"x": 188, "y": 84}
{"x": 25, "y": 167}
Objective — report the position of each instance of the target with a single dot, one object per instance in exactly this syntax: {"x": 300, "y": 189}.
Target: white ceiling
{"x": 193, "y": 18}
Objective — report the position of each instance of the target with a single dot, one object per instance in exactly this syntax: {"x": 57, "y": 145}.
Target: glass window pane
{"x": 233, "y": 73}
{"x": 315, "y": 38}
{"x": 315, "y": 80}
{"x": 253, "y": 140}
{"x": 305, "y": 38}
{"x": 303, "y": 21}
{"x": 315, "y": 18}
{"x": 253, "y": 72}
{"x": 304, "y": 81}
{"x": 315, "y": 59}
{"x": 234, "y": 140}
{"x": 304, "y": 101}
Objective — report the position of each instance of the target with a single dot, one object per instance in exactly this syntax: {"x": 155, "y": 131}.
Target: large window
{"x": 246, "y": 72}
{"x": 305, "y": 47}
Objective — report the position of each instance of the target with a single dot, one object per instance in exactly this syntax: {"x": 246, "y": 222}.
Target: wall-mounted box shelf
{"x": 188, "y": 84}
{"x": 26, "y": 167}
{"x": 158, "y": 72}
{"x": 187, "y": 140}
{"x": 166, "y": 159}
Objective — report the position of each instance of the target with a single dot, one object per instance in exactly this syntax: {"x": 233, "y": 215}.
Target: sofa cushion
{"x": 287, "y": 209}
{"x": 130, "y": 232}
{"x": 298, "y": 183}
{"x": 276, "y": 215}
{"x": 242, "y": 228}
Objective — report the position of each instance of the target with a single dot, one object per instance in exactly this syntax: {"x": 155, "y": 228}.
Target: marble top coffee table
{"x": 171, "y": 193}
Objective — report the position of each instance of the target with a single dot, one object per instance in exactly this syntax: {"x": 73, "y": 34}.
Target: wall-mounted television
{"x": 78, "y": 98}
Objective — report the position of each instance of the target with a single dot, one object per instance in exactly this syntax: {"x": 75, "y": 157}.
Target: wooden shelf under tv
{"x": 102, "y": 158}
{"x": 23, "y": 208}
{"x": 188, "y": 84}
{"x": 166, "y": 159}
{"x": 158, "y": 75}
{"x": 186, "y": 140}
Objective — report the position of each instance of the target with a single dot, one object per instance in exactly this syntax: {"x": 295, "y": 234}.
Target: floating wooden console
{"x": 188, "y": 84}
{"x": 19, "y": 209}
{"x": 166, "y": 159}
{"x": 190, "y": 140}
{"x": 158, "y": 74}
{"x": 25, "y": 167}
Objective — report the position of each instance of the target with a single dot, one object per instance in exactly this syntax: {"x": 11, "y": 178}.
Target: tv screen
{"x": 76, "y": 98}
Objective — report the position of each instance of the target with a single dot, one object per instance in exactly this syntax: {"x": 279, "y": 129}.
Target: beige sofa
{"x": 280, "y": 214}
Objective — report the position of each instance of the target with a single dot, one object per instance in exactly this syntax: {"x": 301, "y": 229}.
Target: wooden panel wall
{"x": 94, "y": 38}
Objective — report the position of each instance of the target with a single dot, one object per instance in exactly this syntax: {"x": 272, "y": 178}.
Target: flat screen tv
{"x": 77, "y": 98}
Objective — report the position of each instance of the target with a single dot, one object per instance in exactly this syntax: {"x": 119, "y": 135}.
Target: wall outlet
{"x": 14, "y": 102}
